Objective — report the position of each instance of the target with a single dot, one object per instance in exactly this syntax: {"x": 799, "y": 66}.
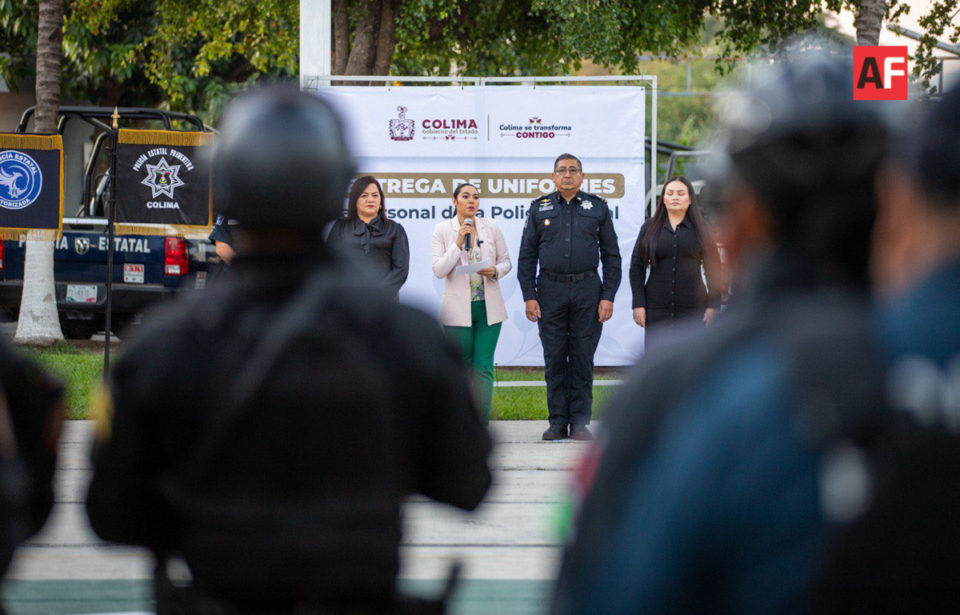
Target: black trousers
{"x": 569, "y": 333}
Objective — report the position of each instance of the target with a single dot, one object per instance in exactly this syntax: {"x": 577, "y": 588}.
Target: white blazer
{"x": 455, "y": 307}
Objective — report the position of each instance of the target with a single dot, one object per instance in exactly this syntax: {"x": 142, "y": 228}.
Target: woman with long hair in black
{"x": 673, "y": 254}
{"x": 367, "y": 232}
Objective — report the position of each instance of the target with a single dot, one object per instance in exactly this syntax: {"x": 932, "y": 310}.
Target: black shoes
{"x": 559, "y": 432}
{"x": 580, "y": 432}
{"x": 555, "y": 432}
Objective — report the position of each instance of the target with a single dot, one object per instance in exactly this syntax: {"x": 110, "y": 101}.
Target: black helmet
{"x": 810, "y": 152}
{"x": 280, "y": 161}
{"x": 798, "y": 131}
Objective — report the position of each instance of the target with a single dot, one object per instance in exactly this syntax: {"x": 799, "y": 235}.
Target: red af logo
{"x": 880, "y": 73}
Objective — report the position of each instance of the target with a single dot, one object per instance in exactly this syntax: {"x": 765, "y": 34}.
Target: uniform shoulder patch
{"x": 538, "y": 202}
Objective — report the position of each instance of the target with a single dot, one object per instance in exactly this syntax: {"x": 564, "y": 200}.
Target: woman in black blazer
{"x": 367, "y": 232}
{"x": 675, "y": 247}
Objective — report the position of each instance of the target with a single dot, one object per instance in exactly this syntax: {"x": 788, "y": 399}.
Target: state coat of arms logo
{"x": 402, "y": 129}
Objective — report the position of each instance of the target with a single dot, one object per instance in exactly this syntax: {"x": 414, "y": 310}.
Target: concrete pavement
{"x": 509, "y": 547}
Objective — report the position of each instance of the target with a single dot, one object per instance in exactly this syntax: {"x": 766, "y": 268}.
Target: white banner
{"x": 421, "y": 142}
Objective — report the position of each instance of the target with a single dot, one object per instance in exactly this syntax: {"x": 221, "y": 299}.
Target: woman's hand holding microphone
{"x": 465, "y": 229}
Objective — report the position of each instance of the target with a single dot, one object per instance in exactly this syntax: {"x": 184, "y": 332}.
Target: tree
{"x": 192, "y": 55}
{"x": 940, "y": 23}
{"x": 869, "y": 19}
{"x": 185, "y": 55}
{"x": 508, "y": 37}
{"x": 39, "y": 323}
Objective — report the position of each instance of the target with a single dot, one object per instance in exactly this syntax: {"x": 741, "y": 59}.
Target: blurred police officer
{"x": 569, "y": 232}
{"x": 918, "y": 228}
{"x": 31, "y": 415}
{"x": 903, "y": 552}
{"x": 706, "y": 497}
{"x": 280, "y": 490}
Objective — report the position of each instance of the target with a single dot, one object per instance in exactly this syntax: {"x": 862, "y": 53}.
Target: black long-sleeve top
{"x": 675, "y": 287}
{"x": 566, "y": 238}
{"x": 382, "y": 244}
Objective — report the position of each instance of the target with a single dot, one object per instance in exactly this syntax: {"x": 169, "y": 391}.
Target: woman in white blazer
{"x": 472, "y": 307}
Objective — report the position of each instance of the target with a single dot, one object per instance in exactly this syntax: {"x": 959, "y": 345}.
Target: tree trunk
{"x": 39, "y": 323}
{"x": 49, "y": 56}
{"x": 364, "y": 46}
{"x": 341, "y": 37}
{"x": 869, "y": 20}
{"x": 386, "y": 37}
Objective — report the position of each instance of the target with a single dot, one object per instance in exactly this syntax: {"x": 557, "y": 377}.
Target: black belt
{"x": 569, "y": 277}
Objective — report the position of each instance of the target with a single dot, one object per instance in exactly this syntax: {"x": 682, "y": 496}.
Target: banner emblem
{"x": 162, "y": 178}
{"x": 162, "y": 186}
{"x": 402, "y": 129}
{"x": 20, "y": 180}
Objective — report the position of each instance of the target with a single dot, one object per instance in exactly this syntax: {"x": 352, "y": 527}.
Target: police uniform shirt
{"x": 569, "y": 238}
{"x": 221, "y": 230}
{"x": 416, "y": 430}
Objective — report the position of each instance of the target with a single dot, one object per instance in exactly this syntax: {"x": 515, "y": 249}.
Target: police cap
{"x": 280, "y": 161}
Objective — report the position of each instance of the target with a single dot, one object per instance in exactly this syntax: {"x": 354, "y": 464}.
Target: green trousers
{"x": 478, "y": 343}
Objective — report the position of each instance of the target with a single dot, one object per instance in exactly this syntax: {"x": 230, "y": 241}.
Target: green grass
{"x": 530, "y": 403}
{"x": 79, "y": 367}
{"x": 536, "y": 373}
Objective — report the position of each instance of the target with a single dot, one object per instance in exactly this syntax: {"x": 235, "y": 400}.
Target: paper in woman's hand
{"x": 475, "y": 267}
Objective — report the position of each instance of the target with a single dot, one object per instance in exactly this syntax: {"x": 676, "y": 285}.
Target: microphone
{"x": 468, "y": 236}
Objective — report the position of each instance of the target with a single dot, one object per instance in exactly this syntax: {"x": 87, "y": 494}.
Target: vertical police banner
{"x": 31, "y": 186}
{"x": 163, "y": 185}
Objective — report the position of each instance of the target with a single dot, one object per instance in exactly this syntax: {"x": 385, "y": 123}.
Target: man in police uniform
{"x": 222, "y": 237}
{"x": 279, "y": 490}
{"x": 569, "y": 232}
